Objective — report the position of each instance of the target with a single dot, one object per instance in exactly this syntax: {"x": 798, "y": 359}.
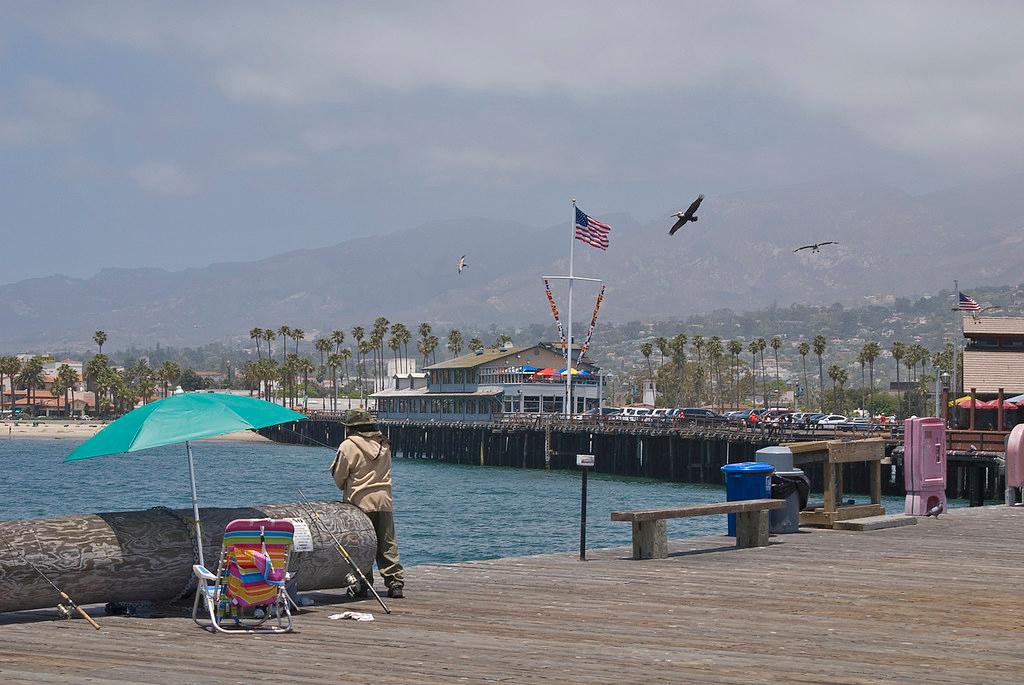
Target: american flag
{"x": 591, "y": 231}
{"x": 968, "y": 304}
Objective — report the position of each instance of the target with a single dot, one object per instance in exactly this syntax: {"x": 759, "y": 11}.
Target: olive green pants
{"x": 388, "y": 565}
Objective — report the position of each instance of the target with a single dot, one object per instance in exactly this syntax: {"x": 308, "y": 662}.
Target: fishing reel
{"x": 63, "y": 612}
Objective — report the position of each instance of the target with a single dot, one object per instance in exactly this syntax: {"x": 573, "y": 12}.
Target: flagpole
{"x": 568, "y": 342}
{"x": 954, "y": 388}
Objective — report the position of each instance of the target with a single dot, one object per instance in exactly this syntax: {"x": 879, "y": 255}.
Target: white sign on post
{"x": 303, "y": 540}
{"x": 584, "y": 460}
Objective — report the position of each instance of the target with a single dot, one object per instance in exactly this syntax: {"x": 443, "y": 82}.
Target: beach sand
{"x": 82, "y": 430}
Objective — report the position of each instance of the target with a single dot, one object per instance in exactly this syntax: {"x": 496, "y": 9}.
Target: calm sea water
{"x": 444, "y": 512}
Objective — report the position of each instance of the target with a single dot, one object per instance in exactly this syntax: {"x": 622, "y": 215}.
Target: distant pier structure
{"x": 676, "y": 451}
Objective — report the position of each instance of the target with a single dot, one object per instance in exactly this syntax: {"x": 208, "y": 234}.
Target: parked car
{"x": 635, "y": 413}
{"x": 603, "y": 411}
{"x": 661, "y": 413}
{"x": 832, "y": 420}
{"x": 700, "y": 414}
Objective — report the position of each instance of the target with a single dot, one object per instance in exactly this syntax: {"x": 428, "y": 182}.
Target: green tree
{"x": 678, "y": 346}
{"x": 454, "y": 342}
{"x": 502, "y": 340}
{"x": 697, "y": 342}
{"x": 169, "y": 374}
{"x": 31, "y": 379}
{"x": 664, "y": 349}
{"x": 256, "y": 334}
{"x": 775, "y": 344}
{"x": 762, "y": 345}
{"x": 818, "y": 345}
{"x": 753, "y": 348}
{"x": 871, "y": 351}
{"x": 10, "y": 366}
{"x": 735, "y": 349}
{"x": 715, "y": 364}
{"x": 100, "y": 338}
{"x": 899, "y": 351}
{"x": 64, "y": 383}
{"x": 475, "y": 344}
{"x": 804, "y": 349}
{"x": 285, "y": 332}
{"x": 646, "y": 349}
{"x": 323, "y": 346}
{"x": 190, "y": 381}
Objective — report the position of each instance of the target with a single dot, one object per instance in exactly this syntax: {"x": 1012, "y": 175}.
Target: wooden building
{"x": 482, "y": 385}
{"x": 994, "y": 354}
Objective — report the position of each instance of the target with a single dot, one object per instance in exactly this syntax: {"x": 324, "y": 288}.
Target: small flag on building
{"x": 591, "y": 231}
{"x": 968, "y": 304}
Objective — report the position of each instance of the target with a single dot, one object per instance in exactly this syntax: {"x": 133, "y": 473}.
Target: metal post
{"x": 568, "y": 343}
{"x": 938, "y": 392}
{"x": 584, "y": 461}
{"x": 583, "y": 517}
{"x": 195, "y": 503}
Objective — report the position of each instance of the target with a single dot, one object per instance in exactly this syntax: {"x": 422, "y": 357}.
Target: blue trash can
{"x": 746, "y": 480}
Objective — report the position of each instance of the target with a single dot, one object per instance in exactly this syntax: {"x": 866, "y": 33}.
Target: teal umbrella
{"x": 182, "y": 418}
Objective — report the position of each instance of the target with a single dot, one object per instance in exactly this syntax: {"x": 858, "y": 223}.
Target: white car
{"x": 832, "y": 420}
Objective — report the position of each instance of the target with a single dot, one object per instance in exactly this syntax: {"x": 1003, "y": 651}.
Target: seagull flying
{"x": 685, "y": 217}
{"x": 462, "y": 263}
{"x": 815, "y": 247}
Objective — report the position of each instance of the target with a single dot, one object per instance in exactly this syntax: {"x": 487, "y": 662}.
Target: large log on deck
{"x": 148, "y": 555}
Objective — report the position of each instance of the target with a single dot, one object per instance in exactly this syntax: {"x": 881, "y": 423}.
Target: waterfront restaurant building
{"x": 994, "y": 355}
{"x": 483, "y": 385}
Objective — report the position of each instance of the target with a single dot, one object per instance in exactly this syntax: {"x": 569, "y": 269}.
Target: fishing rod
{"x": 63, "y": 595}
{"x": 308, "y": 506}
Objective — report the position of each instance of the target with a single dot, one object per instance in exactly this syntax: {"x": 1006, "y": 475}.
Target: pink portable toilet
{"x": 1015, "y": 464}
{"x": 924, "y": 464}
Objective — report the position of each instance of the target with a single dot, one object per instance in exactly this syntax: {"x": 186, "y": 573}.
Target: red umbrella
{"x": 545, "y": 372}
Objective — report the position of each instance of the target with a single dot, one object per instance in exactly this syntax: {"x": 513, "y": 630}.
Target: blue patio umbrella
{"x": 182, "y": 418}
{"x": 529, "y": 368}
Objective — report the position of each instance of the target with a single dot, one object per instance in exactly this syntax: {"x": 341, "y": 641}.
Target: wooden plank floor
{"x": 939, "y": 602}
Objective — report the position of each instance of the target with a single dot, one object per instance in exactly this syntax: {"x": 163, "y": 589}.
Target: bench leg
{"x": 752, "y": 528}
{"x": 650, "y": 540}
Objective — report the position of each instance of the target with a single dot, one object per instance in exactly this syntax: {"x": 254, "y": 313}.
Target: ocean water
{"x": 444, "y": 512}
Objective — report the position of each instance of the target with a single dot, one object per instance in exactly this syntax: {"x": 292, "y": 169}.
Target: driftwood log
{"x": 148, "y": 555}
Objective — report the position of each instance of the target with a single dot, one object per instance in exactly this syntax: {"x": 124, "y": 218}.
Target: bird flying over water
{"x": 685, "y": 217}
{"x": 815, "y": 247}
{"x": 462, "y": 263}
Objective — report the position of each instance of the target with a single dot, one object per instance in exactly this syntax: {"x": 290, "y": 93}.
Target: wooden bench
{"x": 650, "y": 541}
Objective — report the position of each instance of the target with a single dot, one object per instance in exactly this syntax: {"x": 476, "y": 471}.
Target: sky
{"x": 141, "y": 134}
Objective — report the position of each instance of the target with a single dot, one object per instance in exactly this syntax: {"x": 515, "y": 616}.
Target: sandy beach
{"x": 81, "y": 430}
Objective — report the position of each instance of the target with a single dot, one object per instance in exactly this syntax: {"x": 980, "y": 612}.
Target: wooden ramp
{"x": 937, "y": 602}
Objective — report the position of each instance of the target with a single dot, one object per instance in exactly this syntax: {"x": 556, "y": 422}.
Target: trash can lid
{"x": 749, "y": 467}
{"x": 790, "y": 472}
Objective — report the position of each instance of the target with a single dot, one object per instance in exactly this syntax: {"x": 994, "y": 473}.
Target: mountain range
{"x": 738, "y": 255}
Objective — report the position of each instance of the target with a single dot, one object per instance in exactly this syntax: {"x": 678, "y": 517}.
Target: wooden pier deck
{"x": 939, "y": 602}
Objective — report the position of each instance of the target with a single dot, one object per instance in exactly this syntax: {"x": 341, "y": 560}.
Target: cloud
{"x": 164, "y": 178}
{"x": 42, "y": 110}
{"x": 939, "y": 80}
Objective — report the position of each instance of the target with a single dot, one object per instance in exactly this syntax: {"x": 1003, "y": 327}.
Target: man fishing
{"x": 362, "y": 470}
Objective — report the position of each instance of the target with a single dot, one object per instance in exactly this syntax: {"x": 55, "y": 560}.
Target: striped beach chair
{"x": 249, "y": 586}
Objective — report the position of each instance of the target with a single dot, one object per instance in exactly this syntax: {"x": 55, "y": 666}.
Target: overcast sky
{"x": 173, "y": 135}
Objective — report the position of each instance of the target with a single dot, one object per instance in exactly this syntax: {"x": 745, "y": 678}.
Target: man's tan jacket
{"x": 362, "y": 469}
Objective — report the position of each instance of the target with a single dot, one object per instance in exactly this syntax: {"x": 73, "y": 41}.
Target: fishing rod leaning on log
{"x": 308, "y": 506}
{"x": 64, "y": 610}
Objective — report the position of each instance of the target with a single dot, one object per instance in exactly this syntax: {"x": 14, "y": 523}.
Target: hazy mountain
{"x": 738, "y": 255}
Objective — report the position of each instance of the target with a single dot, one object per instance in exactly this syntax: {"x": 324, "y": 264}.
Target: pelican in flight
{"x": 816, "y": 247}
{"x": 462, "y": 263}
{"x": 689, "y": 215}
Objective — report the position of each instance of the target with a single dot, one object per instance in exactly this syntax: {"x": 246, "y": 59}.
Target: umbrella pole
{"x": 195, "y": 503}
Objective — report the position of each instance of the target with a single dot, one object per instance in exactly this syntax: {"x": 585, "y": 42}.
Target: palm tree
{"x": 169, "y": 374}
{"x": 334, "y": 360}
{"x": 99, "y": 337}
{"x": 899, "y": 351}
{"x": 378, "y": 334}
{"x": 9, "y": 366}
{"x": 698, "y": 344}
{"x": 455, "y": 342}
{"x": 678, "y": 345}
{"x": 30, "y": 379}
{"x": 646, "y": 349}
{"x": 323, "y": 346}
{"x": 841, "y": 377}
{"x": 762, "y": 345}
{"x": 285, "y": 332}
{"x": 257, "y": 335}
{"x": 502, "y": 340}
{"x": 661, "y": 342}
{"x": 871, "y": 351}
{"x": 306, "y": 367}
{"x": 804, "y": 349}
{"x": 394, "y": 344}
{"x": 404, "y": 336}
{"x": 65, "y": 382}
{"x": 475, "y": 344}
{"x": 365, "y": 348}
{"x": 818, "y": 345}
{"x": 753, "y": 348}
{"x": 735, "y": 349}
{"x": 863, "y": 361}
{"x": 833, "y": 373}
{"x": 270, "y": 336}
{"x": 715, "y": 368}
{"x": 776, "y": 343}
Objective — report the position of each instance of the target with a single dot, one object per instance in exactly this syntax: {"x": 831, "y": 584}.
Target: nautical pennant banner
{"x": 593, "y": 324}
{"x": 554, "y": 311}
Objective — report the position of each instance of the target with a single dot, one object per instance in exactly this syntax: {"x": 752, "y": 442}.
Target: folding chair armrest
{"x": 202, "y": 572}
